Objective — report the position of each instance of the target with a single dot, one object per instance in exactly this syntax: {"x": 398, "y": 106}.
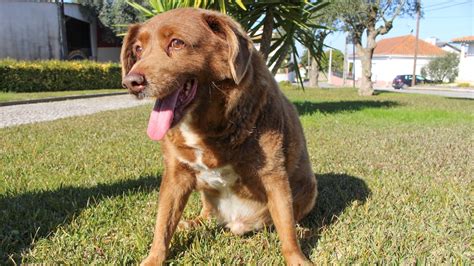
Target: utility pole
{"x": 330, "y": 66}
{"x": 353, "y": 65}
{"x": 418, "y": 11}
{"x": 346, "y": 62}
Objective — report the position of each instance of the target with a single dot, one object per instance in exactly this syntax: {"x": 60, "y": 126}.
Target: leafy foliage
{"x": 160, "y": 6}
{"x": 293, "y": 21}
{"x": 442, "y": 68}
{"x": 54, "y": 75}
{"x": 337, "y": 60}
{"x": 114, "y": 14}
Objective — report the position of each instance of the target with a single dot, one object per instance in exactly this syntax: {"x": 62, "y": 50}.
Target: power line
{"x": 439, "y": 4}
{"x": 450, "y": 17}
{"x": 448, "y": 6}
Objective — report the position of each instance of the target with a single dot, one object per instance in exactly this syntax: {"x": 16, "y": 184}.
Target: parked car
{"x": 404, "y": 81}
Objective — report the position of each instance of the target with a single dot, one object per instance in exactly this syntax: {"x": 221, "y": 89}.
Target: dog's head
{"x": 175, "y": 53}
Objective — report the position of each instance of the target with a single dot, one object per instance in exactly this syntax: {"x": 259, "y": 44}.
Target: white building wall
{"x": 29, "y": 30}
{"x": 385, "y": 68}
{"x": 466, "y": 64}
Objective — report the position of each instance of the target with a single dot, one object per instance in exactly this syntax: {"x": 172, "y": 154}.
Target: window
{"x": 470, "y": 49}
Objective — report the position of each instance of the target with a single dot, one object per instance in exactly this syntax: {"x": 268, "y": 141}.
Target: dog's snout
{"x": 134, "y": 82}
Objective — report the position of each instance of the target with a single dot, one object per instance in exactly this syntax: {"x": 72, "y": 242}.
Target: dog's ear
{"x": 240, "y": 45}
{"x": 127, "y": 58}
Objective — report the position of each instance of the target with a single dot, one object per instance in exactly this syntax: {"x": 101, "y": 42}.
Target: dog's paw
{"x": 153, "y": 261}
{"x": 297, "y": 260}
{"x": 190, "y": 224}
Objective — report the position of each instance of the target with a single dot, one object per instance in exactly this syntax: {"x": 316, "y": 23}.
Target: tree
{"x": 372, "y": 18}
{"x": 276, "y": 25}
{"x": 337, "y": 63}
{"x": 328, "y": 20}
{"x": 279, "y": 25}
{"x": 442, "y": 68}
{"x": 113, "y": 14}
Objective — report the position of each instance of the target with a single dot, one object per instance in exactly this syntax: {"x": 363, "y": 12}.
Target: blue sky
{"x": 442, "y": 19}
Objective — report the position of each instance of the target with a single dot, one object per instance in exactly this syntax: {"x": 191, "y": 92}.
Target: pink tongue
{"x": 162, "y": 116}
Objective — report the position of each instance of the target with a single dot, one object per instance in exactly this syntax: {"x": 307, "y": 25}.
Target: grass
{"x": 395, "y": 178}
{"x": 20, "y": 96}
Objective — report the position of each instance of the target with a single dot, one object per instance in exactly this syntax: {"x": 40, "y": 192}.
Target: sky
{"x": 442, "y": 19}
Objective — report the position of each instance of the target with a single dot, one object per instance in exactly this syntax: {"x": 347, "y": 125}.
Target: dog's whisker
{"x": 217, "y": 87}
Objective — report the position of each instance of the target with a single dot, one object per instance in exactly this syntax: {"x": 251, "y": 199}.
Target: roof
{"x": 443, "y": 44}
{"x": 464, "y": 39}
{"x": 405, "y": 45}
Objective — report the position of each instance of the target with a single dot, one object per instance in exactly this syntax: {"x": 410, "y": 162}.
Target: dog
{"x": 225, "y": 128}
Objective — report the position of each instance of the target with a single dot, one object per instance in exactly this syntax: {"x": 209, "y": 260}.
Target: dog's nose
{"x": 134, "y": 82}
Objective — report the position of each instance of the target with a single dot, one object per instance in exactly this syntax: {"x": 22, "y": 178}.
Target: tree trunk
{"x": 314, "y": 74}
{"x": 267, "y": 34}
{"x": 365, "y": 55}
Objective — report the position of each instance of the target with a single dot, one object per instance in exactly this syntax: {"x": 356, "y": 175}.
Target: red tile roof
{"x": 405, "y": 45}
{"x": 464, "y": 39}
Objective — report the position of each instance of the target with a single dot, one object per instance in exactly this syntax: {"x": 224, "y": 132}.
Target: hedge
{"x": 54, "y": 75}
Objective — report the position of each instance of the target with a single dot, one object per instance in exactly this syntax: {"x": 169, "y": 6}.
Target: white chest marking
{"x": 230, "y": 207}
{"x": 218, "y": 178}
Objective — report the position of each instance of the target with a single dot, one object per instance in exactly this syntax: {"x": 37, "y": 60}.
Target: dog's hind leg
{"x": 304, "y": 199}
{"x": 304, "y": 190}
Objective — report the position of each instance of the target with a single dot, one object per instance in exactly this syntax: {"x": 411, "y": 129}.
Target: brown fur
{"x": 239, "y": 125}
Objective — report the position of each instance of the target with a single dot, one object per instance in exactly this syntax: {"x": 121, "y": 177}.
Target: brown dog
{"x": 226, "y": 128}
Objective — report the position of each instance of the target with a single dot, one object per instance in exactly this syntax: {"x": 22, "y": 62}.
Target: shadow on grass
{"x": 309, "y": 108}
{"x": 33, "y": 215}
{"x": 336, "y": 192}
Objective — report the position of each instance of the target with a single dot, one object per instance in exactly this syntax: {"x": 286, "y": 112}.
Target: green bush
{"x": 54, "y": 75}
{"x": 442, "y": 68}
{"x": 464, "y": 85}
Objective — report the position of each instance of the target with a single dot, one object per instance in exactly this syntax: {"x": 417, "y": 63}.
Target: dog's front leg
{"x": 280, "y": 205}
{"x": 176, "y": 186}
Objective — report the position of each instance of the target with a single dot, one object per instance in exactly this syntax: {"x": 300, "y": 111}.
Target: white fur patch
{"x": 231, "y": 209}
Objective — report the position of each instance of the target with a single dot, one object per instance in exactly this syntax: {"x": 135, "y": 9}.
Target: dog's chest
{"x": 220, "y": 178}
{"x": 232, "y": 209}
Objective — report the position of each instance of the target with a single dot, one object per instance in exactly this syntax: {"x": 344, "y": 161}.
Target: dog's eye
{"x": 138, "y": 50}
{"x": 177, "y": 44}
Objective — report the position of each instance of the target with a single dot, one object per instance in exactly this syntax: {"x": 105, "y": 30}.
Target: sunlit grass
{"x": 395, "y": 182}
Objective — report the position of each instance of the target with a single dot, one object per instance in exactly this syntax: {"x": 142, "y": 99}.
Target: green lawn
{"x": 395, "y": 178}
{"x": 20, "y": 96}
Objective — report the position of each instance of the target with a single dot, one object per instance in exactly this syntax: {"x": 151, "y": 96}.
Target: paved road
{"x": 446, "y": 93}
{"x": 39, "y": 112}
{"x": 451, "y": 93}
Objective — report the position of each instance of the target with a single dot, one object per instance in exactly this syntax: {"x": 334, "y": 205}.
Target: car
{"x": 404, "y": 81}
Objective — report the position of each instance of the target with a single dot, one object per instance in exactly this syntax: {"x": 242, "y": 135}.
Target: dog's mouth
{"x": 170, "y": 109}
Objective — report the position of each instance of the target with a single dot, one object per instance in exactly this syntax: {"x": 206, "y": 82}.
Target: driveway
{"x": 39, "y": 112}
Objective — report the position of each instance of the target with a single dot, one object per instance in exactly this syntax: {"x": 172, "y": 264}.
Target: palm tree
{"x": 277, "y": 25}
{"x": 160, "y": 6}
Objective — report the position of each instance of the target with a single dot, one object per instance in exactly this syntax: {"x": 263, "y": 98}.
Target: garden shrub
{"x": 55, "y": 75}
{"x": 464, "y": 85}
{"x": 442, "y": 68}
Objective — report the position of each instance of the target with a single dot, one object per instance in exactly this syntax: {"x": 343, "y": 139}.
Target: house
{"x": 466, "y": 60}
{"x": 395, "y": 56}
{"x": 446, "y": 46}
{"x": 51, "y": 29}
